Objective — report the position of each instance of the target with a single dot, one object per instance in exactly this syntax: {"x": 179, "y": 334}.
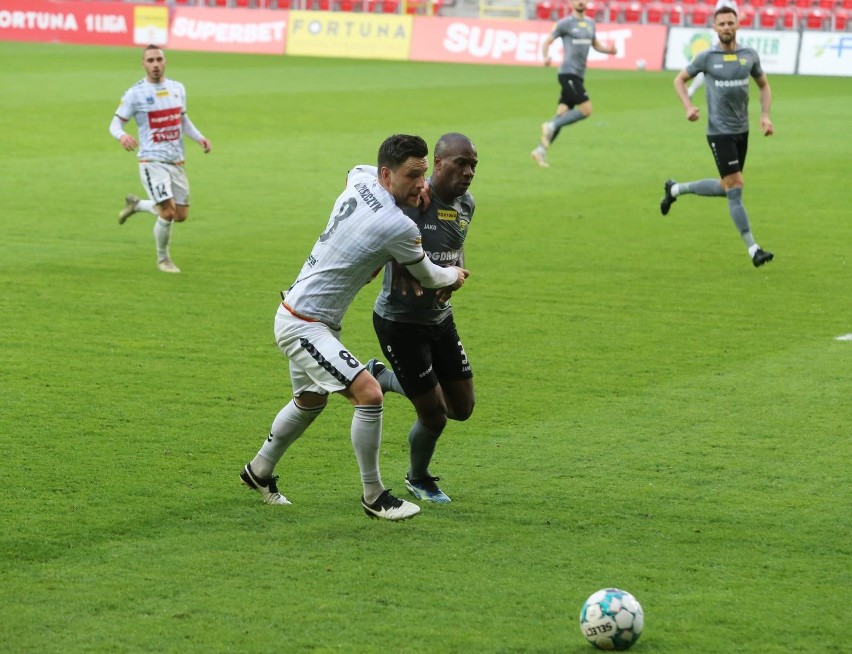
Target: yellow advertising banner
{"x": 150, "y": 25}
{"x": 344, "y": 34}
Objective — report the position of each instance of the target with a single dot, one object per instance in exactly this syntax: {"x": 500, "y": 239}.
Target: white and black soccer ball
{"x": 612, "y": 619}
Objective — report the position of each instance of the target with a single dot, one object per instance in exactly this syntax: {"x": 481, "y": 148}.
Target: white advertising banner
{"x": 826, "y": 53}
{"x": 777, "y": 50}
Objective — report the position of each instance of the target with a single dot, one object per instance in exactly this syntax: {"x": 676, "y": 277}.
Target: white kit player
{"x": 698, "y": 81}
{"x": 158, "y": 105}
{"x": 366, "y": 229}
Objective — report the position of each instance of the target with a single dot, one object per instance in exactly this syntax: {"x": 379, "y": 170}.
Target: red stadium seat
{"x": 283, "y": 4}
{"x": 388, "y": 6}
{"x": 746, "y": 16}
{"x": 778, "y": 4}
{"x": 345, "y": 5}
{"x": 815, "y": 19}
{"x": 804, "y": 4}
{"x": 633, "y": 12}
{"x": 846, "y": 4}
{"x": 841, "y": 20}
{"x": 789, "y": 18}
{"x": 655, "y": 13}
{"x": 757, "y": 4}
{"x": 826, "y": 4}
{"x": 768, "y": 18}
{"x": 597, "y": 11}
{"x": 699, "y": 15}
{"x": 676, "y": 14}
{"x": 544, "y": 10}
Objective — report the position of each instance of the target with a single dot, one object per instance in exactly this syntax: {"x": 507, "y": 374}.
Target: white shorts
{"x": 164, "y": 181}
{"x": 319, "y": 362}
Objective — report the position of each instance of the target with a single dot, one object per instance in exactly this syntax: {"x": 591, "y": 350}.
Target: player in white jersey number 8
{"x": 365, "y": 230}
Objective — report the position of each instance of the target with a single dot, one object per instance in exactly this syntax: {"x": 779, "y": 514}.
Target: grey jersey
{"x": 577, "y": 35}
{"x": 443, "y": 228}
{"x": 727, "y": 76}
{"x": 365, "y": 230}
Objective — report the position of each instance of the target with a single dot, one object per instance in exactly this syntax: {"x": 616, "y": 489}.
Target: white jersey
{"x": 158, "y": 110}
{"x": 365, "y": 230}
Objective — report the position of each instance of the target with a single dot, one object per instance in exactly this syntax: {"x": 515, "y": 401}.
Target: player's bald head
{"x": 451, "y": 143}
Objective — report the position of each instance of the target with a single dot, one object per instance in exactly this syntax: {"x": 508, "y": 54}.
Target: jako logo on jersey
{"x": 447, "y": 214}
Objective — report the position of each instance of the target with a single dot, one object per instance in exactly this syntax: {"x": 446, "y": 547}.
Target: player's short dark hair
{"x": 724, "y": 9}
{"x": 398, "y": 148}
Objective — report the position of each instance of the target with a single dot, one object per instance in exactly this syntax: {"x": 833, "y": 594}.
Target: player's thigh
{"x": 180, "y": 189}
{"x": 726, "y": 149}
{"x": 157, "y": 179}
{"x": 319, "y": 362}
{"x": 408, "y": 349}
{"x": 453, "y": 370}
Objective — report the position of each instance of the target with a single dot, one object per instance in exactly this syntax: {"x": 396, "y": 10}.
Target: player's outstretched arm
{"x": 683, "y": 94}
{"x": 765, "y": 104}
{"x": 431, "y": 276}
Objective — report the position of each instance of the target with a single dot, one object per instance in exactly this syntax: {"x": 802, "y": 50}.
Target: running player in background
{"x": 415, "y": 326}
{"x": 698, "y": 81}
{"x": 578, "y": 35}
{"x": 158, "y": 105}
{"x": 727, "y": 67}
{"x": 366, "y": 230}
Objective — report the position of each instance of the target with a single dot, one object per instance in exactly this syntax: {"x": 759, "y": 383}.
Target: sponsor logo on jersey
{"x": 163, "y": 135}
{"x": 447, "y": 214}
{"x": 150, "y": 99}
{"x": 729, "y": 57}
{"x": 728, "y": 83}
{"x": 163, "y": 94}
{"x": 164, "y": 118}
{"x": 444, "y": 257}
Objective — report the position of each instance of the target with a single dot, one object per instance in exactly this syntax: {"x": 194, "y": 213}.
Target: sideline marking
{"x": 845, "y": 337}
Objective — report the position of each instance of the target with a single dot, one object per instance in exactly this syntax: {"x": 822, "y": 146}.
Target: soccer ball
{"x": 641, "y": 64}
{"x": 612, "y": 619}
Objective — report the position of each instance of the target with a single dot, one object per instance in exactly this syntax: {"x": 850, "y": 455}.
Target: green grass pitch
{"x": 653, "y": 413}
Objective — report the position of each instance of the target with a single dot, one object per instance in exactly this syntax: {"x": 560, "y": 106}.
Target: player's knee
{"x": 166, "y": 212}
{"x": 463, "y": 412}
{"x": 365, "y": 391}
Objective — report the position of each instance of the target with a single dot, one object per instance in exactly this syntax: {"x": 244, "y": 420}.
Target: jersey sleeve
{"x": 125, "y": 107}
{"x": 756, "y": 68}
{"x": 697, "y": 64}
{"x": 407, "y": 247}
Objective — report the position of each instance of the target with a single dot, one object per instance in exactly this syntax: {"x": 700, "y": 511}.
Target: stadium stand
{"x": 822, "y": 15}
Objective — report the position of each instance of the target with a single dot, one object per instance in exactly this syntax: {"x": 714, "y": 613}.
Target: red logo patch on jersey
{"x": 164, "y": 118}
